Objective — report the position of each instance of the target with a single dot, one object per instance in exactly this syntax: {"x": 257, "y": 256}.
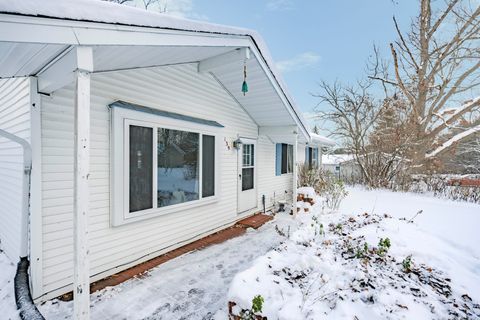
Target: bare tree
{"x": 119, "y": 1}
{"x": 436, "y": 67}
{"x": 161, "y": 5}
{"x": 374, "y": 131}
{"x": 465, "y": 158}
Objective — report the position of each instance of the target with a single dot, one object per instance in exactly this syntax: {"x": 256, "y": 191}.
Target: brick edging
{"x": 234, "y": 231}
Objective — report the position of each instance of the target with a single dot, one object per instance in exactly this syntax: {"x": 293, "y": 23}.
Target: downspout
{"x": 23, "y": 297}
{"x": 295, "y": 174}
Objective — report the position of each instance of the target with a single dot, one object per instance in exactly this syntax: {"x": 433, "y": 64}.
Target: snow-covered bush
{"x": 439, "y": 185}
{"x": 324, "y": 183}
{"x": 333, "y": 192}
{"x": 311, "y": 177}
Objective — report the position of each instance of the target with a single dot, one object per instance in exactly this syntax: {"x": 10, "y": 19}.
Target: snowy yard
{"x": 339, "y": 265}
{"x": 311, "y": 273}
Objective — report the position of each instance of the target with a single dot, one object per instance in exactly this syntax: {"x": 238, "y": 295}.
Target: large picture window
{"x": 177, "y": 167}
{"x": 159, "y": 166}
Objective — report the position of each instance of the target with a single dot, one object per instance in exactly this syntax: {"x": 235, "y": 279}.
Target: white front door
{"x": 247, "y": 173}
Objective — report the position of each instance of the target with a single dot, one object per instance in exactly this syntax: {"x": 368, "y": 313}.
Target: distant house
{"x": 141, "y": 138}
{"x": 343, "y": 166}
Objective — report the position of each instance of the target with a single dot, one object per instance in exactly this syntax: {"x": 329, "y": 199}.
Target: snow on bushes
{"x": 446, "y": 186}
{"x": 331, "y": 190}
{"x": 363, "y": 266}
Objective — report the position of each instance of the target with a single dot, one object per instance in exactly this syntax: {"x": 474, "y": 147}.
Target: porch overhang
{"x": 43, "y": 47}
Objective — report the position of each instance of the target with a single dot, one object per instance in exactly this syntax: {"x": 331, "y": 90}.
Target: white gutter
{"x": 27, "y": 168}
{"x": 321, "y": 140}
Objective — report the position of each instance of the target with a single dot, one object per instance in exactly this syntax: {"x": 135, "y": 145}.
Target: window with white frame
{"x": 284, "y": 158}
{"x": 248, "y": 166}
{"x": 311, "y": 157}
{"x": 166, "y": 164}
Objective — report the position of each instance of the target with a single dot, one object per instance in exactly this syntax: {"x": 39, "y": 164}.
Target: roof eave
{"x": 51, "y": 30}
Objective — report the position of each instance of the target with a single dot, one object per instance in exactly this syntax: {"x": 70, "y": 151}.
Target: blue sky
{"x": 310, "y": 40}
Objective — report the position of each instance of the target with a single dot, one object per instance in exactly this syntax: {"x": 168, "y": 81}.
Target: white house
{"x": 343, "y": 166}
{"x": 141, "y": 137}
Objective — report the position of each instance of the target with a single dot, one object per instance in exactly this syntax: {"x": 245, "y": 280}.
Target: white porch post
{"x": 81, "y": 286}
{"x": 295, "y": 173}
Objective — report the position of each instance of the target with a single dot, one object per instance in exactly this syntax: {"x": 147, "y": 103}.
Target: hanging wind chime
{"x": 244, "y": 84}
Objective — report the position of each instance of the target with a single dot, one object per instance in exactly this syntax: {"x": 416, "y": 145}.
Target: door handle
{"x": 240, "y": 176}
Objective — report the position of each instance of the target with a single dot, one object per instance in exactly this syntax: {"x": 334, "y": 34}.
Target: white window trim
{"x": 119, "y": 158}
{"x": 315, "y": 163}
{"x": 291, "y": 172}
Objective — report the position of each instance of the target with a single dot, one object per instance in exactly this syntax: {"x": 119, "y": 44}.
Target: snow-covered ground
{"x": 8, "y": 310}
{"x": 311, "y": 273}
{"x": 333, "y": 265}
{"x": 193, "y": 286}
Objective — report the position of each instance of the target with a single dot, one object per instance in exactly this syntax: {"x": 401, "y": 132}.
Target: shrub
{"x": 311, "y": 177}
{"x": 383, "y": 246}
{"x": 252, "y": 313}
{"x": 324, "y": 183}
{"x": 407, "y": 264}
{"x": 334, "y": 191}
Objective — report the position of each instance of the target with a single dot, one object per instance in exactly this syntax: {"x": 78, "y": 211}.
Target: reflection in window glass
{"x": 284, "y": 158}
{"x": 178, "y": 167}
{"x": 247, "y": 167}
{"x": 141, "y": 164}
{"x": 290, "y": 158}
{"x": 287, "y": 158}
{"x": 247, "y": 178}
{"x": 208, "y": 166}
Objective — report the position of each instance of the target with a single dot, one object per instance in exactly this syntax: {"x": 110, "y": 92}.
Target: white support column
{"x": 36, "y": 245}
{"x": 81, "y": 285}
{"x": 295, "y": 173}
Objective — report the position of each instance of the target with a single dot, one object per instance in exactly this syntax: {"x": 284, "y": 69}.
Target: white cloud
{"x": 279, "y": 5}
{"x": 298, "y": 62}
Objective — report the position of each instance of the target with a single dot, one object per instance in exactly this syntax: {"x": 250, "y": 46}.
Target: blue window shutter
{"x": 316, "y": 156}
{"x": 307, "y": 154}
{"x": 278, "y": 159}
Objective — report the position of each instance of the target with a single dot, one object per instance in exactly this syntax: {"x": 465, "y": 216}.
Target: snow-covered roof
{"x": 321, "y": 140}
{"x": 96, "y": 11}
{"x": 108, "y": 12}
{"x": 336, "y": 158}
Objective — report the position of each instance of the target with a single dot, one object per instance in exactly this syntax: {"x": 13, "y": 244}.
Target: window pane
{"x": 252, "y": 153}
{"x": 208, "y": 166}
{"x": 247, "y": 178}
{"x": 177, "y": 155}
{"x": 284, "y": 158}
{"x": 248, "y": 155}
{"x": 290, "y": 158}
{"x": 310, "y": 157}
{"x": 141, "y": 166}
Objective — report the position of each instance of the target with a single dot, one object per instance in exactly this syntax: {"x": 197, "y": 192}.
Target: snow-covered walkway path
{"x": 193, "y": 286}
{"x": 8, "y": 309}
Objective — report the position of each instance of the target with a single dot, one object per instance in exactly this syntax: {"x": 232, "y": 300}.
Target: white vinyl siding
{"x": 274, "y": 187}
{"x": 15, "y": 119}
{"x": 179, "y": 89}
